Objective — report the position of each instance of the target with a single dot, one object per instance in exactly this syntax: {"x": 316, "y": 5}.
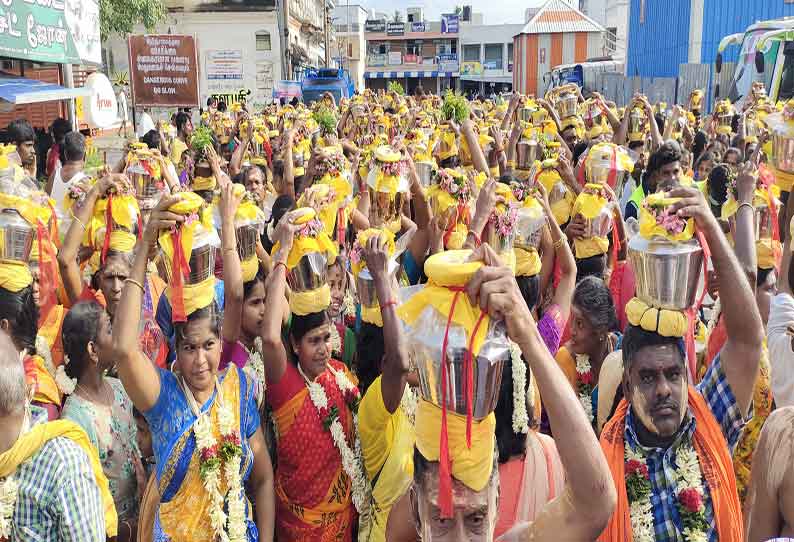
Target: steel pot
{"x": 598, "y": 226}
{"x": 527, "y": 151}
{"x": 566, "y": 105}
{"x": 425, "y": 172}
{"x": 202, "y": 258}
{"x": 17, "y": 236}
{"x": 667, "y": 274}
{"x": 309, "y": 274}
{"x": 783, "y": 151}
{"x": 247, "y": 236}
{"x": 365, "y": 285}
{"x": 529, "y": 229}
{"x": 762, "y": 223}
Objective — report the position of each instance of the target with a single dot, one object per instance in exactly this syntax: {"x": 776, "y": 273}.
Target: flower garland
{"x": 256, "y": 366}
{"x": 62, "y": 380}
{"x": 220, "y": 458}
{"x": 336, "y": 339}
{"x": 519, "y": 369}
{"x": 311, "y": 229}
{"x": 352, "y": 461}
{"x": 456, "y": 186}
{"x": 409, "y": 403}
{"x": 584, "y": 384}
{"x": 689, "y": 492}
{"x": 8, "y": 499}
{"x": 667, "y": 219}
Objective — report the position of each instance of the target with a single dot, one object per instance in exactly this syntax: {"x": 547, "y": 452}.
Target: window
{"x": 471, "y": 53}
{"x": 414, "y": 47}
{"x": 510, "y": 57}
{"x": 493, "y": 56}
{"x": 262, "y": 40}
{"x": 446, "y": 47}
{"x": 349, "y": 50}
{"x": 377, "y": 48}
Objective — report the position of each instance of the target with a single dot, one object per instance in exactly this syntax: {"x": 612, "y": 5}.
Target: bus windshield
{"x": 746, "y": 73}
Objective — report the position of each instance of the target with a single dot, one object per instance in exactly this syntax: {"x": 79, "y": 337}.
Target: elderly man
{"x": 669, "y": 444}
{"x": 475, "y": 479}
{"x": 52, "y": 488}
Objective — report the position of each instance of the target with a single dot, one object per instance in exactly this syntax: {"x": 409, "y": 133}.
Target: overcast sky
{"x": 499, "y": 12}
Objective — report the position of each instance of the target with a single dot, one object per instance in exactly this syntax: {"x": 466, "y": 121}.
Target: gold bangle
{"x": 559, "y": 242}
{"x": 79, "y": 221}
{"x": 136, "y": 283}
{"x": 745, "y": 204}
{"x": 230, "y": 249}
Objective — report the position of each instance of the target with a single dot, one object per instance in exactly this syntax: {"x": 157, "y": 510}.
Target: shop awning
{"x": 400, "y": 75}
{"x": 19, "y": 91}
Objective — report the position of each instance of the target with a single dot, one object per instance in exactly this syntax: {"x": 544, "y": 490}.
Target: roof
{"x": 559, "y": 16}
{"x": 18, "y": 90}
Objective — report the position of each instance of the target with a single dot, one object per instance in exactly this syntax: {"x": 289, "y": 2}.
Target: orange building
{"x": 557, "y": 34}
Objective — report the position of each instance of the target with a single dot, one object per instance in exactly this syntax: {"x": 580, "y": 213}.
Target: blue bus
{"x": 317, "y": 81}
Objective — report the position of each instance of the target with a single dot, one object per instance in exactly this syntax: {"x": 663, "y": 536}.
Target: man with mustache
{"x": 669, "y": 443}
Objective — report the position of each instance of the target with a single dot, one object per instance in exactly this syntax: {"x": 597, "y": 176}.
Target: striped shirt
{"x": 662, "y": 461}
{"x": 57, "y": 498}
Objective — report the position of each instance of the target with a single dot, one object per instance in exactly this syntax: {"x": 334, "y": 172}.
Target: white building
{"x": 307, "y": 33}
{"x": 239, "y": 52}
{"x": 614, "y": 16}
{"x": 487, "y": 57}
{"x": 350, "y": 47}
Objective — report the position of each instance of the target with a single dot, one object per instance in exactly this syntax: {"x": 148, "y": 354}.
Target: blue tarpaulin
{"x": 18, "y": 90}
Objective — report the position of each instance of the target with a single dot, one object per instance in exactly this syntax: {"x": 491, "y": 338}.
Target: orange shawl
{"x": 715, "y": 464}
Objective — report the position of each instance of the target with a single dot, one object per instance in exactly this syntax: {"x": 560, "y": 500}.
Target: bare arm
{"x": 742, "y": 351}
{"x": 477, "y": 156}
{"x": 744, "y": 238}
{"x": 786, "y": 213}
{"x": 232, "y": 270}
{"x": 395, "y": 360}
{"x": 289, "y": 167}
{"x": 137, "y": 373}
{"x": 261, "y": 483}
{"x": 563, "y": 293}
{"x": 587, "y": 472}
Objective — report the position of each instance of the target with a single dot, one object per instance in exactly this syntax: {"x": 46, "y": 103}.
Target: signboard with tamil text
{"x": 224, "y": 64}
{"x": 375, "y": 25}
{"x": 163, "y": 70}
{"x": 395, "y": 29}
{"x": 61, "y": 31}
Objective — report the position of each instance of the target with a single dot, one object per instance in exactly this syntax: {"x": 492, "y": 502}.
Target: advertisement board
{"x": 223, "y": 65}
{"x": 66, "y": 32}
{"x": 163, "y": 70}
{"x": 412, "y": 59}
{"x": 395, "y": 29}
{"x": 377, "y": 60}
{"x": 450, "y": 24}
{"x": 417, "y": 27}
{"x": 395, "y": 58}
{"x": 374, "y": 25}
{"x": 470, "y": 68}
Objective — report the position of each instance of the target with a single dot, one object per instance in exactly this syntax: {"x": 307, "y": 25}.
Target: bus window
{"x": 787, "y": 78}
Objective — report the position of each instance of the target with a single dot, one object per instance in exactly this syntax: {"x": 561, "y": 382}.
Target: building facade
{"x": 412, "y": 53}
{"x": 487, "y": 58}
{"x": 309, "y": 31}
{"x": 247, "y": 66}
{"x": 557, "y": 34}
{"x": 349, "y": 50}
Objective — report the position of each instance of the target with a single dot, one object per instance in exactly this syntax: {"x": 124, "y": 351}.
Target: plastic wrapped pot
{"x": 17, "y": 236}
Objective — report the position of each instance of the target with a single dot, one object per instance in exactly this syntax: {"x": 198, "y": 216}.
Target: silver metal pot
{"x": 762, "y": 223}
{"x": 636, "y": 121}
{"x": 427, "y": 340}
{"x": 527, "y": 151}
{"x": 365, "y": 286}
{"x": 667, "y": 274}
{"x": 246, "y": 240}
{"x": 309, "y": 274}
{"x": 17, "y": 236}
{"x": 525, "y": 114}
{"x": 599, "y": 226}
{"x": 566, "y": 105}
{"x": 783, "y": 151}
{"x": 383, "y": 208}
{"x": 425, "y": 172}
{"x": 529, "y": 229}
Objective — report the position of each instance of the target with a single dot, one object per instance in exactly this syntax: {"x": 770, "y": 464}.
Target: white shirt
{"x": 122, "y": 105}
{"x": 60, "y": 187}
{"x": 781, "y": 356}
{"x": 144, "y": 125}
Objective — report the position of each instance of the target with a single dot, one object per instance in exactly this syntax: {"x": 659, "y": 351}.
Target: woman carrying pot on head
{"x": 205, "y": 428}
{"x": 100, "y": 406}
{"x": 594, "y": 335}
{"x": 313, "y": 397}
{"x": 111, "y": 237}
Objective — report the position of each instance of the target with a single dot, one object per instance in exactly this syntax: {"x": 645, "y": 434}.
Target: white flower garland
{"x": 43, "y": 350}
{"x": 519, "y": 369}
{"x": 8, "y": 499}
{"x": 255, "y": 368}
{"x": 336, "y": 340}
{"x": 409, "y": 403}
{"x": 62, "y": 380}
{"x": 687, "y": 477}
{"x": 583, "y": 369}
{"x": 352, "y": 461}
{"x": 231, "y": 528}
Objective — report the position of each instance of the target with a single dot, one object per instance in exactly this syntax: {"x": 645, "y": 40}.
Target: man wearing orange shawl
{"x": 669, "y": 444}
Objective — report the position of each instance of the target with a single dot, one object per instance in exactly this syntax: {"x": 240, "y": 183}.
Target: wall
{"x": 259, "y": 68}
{"x": 617, "y": 16}
{"x": 536, "y": 55}
{"x": 659, "y": 44}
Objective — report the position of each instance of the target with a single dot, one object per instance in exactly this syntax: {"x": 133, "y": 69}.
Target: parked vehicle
{"x": 582, "y": 74}
{"x": 317, "y": 81}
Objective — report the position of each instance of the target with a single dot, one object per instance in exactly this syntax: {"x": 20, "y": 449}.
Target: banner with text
{"x": 163, "y": 70}
{"x": 66, "y": 32}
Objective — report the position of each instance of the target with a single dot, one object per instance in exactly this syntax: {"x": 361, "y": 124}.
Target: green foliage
{"x": 455, "y": 107}
{"x": 395, "y": 86}
{"x": 201, "y": 138}
{"x": 326, "y": 120}
{"x": 121, "y": 16}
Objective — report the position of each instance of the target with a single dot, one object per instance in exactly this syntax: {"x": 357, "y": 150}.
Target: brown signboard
{"x": 163, "y": 70}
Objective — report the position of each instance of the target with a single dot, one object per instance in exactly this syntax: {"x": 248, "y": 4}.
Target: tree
{"x": 398, "y": 16}
{"x": 121, "y": 16}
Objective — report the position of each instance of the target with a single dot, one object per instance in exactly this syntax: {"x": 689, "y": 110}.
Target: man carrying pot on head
{"x": 663, "y": 173}
{"x": 471, "y": 501}
{"x": 669, "y": 443}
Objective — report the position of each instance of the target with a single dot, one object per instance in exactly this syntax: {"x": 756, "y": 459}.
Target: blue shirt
{"x": 662, "y": 462}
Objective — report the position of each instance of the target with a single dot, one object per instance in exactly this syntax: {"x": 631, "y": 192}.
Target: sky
{"x": 499, "y": 12}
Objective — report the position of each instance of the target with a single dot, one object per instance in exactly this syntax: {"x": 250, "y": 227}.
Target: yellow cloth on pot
{"x": 765, "y": 252}
{"x": 304, "y": 244}
{"x": 650, "y": 229}
{"x": 444, "y": 271}
{"x": 729, "y": 208}
{"x": 372, "y": 315}
{"x": 124, "y": 210}
{"x": 31, "y": 211}
{"x": 362, "y": 239}
{"x": 204, "y": 183}
{"x": 196, "y": 296}
{"x": 589, "y": 203}
{"x": 527, "y": 262}
{"x": 448, "y": 146}
{"x": 311, "y": 301}
{"x": 14, "y": 275}
{"x": 250, "y": 268}
{"x": 665, "y": 322}
{"x": 782, "y": 179}
{"x": 470, "y": 466}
